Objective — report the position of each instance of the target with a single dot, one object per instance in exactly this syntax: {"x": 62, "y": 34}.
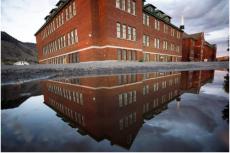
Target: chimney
{"x": 182, "y": 23}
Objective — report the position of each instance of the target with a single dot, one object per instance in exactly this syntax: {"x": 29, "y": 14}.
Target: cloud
{"x": 22, "y": 19}
{"x": 209, "y": 16}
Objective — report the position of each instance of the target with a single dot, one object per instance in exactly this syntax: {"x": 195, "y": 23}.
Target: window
{"x": 129, "y": 55}
{"x": 144, "y": 91}
{"x": 178, "y": 49}
{"x": 119, "y": 54}
{"x": 157, "y": 25}
{"x": 134, "y": 96}
{"x": 134, "y": 7}
{"x": 172, "y": 32}
{"x": 129, "y": 33}
{"x": 146, "y": 57}
{"x": 57, "y": 22}
{"x": 164, "y": 84}
{"x": 165, "y": 28}
{"x": 172, "y": 46}
{"x": 124, "y": 54}
{"x": 120, "y": 100}
{"x": 67, "y": 14}
{"x": 155, "y": 87}
{"x": 145, "y": 40}
{"x": 81, "y": 99}
{"x": 76, "y": 36}
{"x": 145, "y": 19}
{"x": 133, "y": 55}
{"x": 59, "y": 17}
{"x": 178, "y": 35}
{"x": 121, "y": 123}
{"x": 124, "y": 31}
{"x": 165, "y": 45}
{"x": 134, "y": 34}
{"x": 125, "y": 95}
{"x": 118, "y": 4}
{"x": 129, "y": 6}
{"x": 59, "y": 43}
{"x": 69, "y": 41}
{"x": 70, "y": 12}
{"x": 157, "y": 43}
{"x": 123, "y": 5}
{"x": 62, "y": 18}
{"x": 72, "y": 37}
{"x": 130, "y": 97}
{"x": 74, "y": 9}
{"x": 118, "y": 30}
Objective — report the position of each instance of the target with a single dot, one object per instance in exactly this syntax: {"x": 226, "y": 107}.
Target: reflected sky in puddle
{"x": 179, "y": 111}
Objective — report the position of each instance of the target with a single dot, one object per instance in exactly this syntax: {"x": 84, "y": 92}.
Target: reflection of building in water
{"x": 191, "y": 81}
{"x": 112, "y": 107}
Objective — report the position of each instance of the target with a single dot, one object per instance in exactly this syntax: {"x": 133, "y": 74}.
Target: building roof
{"x": 154, "y": 14}
{"x": 55, "y": 11}
{"x": 149, "y": 5}
{"x": 195, "y": 36}
{"x": 192, "y": 36}
{"x": 210, "y": 45}
{"x": 159, "y": 11}
{"x": 60, "y": 2}
{"x": 46, "y": 18}
{"x": 51, "y": 16}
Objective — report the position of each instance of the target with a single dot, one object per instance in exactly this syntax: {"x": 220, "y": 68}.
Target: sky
{"x": 21, "y": 19}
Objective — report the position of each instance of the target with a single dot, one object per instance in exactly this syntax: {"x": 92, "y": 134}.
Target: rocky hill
{"x": 13, "y": 50}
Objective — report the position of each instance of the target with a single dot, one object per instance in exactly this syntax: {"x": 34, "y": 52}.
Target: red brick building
{"x": 195, "y": 48}
{"x": 94, "y": 30}
{"x": 112, "y": 107}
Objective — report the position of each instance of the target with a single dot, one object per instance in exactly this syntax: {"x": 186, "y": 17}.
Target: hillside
{"x": 13, "y": 50}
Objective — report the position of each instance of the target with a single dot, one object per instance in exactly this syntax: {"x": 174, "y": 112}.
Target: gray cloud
{"x": 209, "y": 16}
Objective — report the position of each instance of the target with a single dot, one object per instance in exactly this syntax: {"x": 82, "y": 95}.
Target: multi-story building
{"x": 95, "y": 30}
{"x": 115, "y": 107}
{"x": 112, "y": 107}
{"x": 195, "y": 48}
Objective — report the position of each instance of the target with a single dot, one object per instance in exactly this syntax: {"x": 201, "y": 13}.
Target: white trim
{"x": 103, "y": 47}
{"x": 113, "y": 87}
{"x": 161, "y": 54}
{"x": 92, "y": 47}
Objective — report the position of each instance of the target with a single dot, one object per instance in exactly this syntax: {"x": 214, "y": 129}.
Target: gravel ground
{"x": 19, "y": 74}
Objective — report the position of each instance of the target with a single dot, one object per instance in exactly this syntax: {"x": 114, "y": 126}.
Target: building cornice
{"x": 51, "y": 16}
{"x": 170, "y": 24}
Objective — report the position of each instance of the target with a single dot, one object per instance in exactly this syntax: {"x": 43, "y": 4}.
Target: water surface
{"x": 171, "y": 111}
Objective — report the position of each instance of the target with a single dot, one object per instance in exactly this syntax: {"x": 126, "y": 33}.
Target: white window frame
{"x": 118, "y": 4}
{"x": 134, "y": 7}
{"x": 118, "y": 27}
{"x": 74, "y": 9}
{"x": 129, "y": 6}
{"x": 124, "y": 31}
{"x": 134, "y": 33}
{"x": 123, "y": 5}
{"x": 129, "y": 33}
